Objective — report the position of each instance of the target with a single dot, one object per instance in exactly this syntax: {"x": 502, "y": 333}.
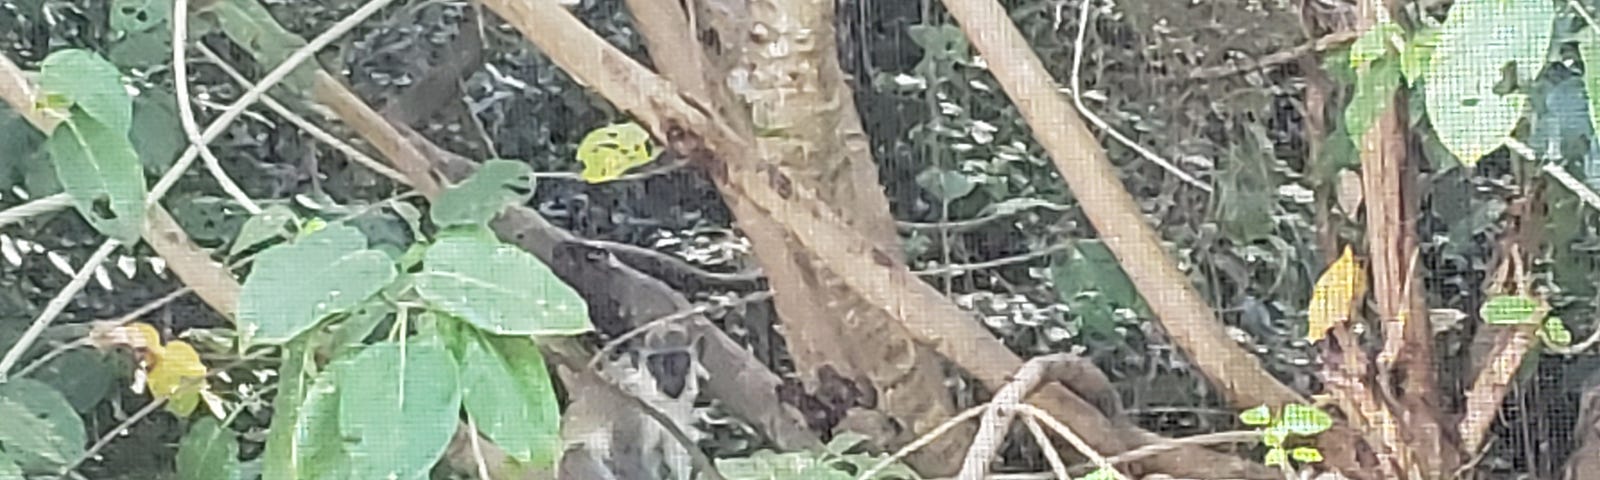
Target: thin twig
{"x": 1077, "y": 100}
{"x": 86, "y": 341}
{"x": 191, "y": 128}
{"x": 316, "y": 132}
{"x": 1051, "y": 455}
{"x": 55, "y": 307}
{"x": 1320, "y": 44}
{"x": 1170, "y": 444}
{"x": 1072, "y": 438}
{"x": 34, "y": 208}
{"x": 611, "y": 346}
{"x": 998, "y": 262}
{"x": 922, "y": 441}
{"x": 104, "y": 440}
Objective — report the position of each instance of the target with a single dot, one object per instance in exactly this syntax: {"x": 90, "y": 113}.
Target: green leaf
{"x": 500, "y": 288}
{"x": 1274, "y": 435}
{"x": 293, "y": 286}
{"x": 84, "y": 376}
{"x": 1373, "y": 45}
{"x": 1555, "y": 332}
{"x": 208, "y": 452}
{"x": 250, "y": 24}
{"x": 1306, "y": 454}
{"x": 157, "y": 134}
{"x": 304, "y": 441}
{"x": 477, "y": 200}
{"x": 38, "y": 427}
{"x": 398, "y": 407}
{"x": 1416, "y": 59}
{"x": 294, "y": 379}
{"x": 273, "y": 222}
{"x": 1508, "y": 310}
{"x": 96, "y": 163}
{"x": 945, "y": 185}
{"x": 1099, "y": 474}
{"x": 1276, "y": 456}
{"x": 1257, "y": 417}
{"x": 91, "y": 83}
{"x": 1305, "y": 420}
{"x": 1476, "y": 42}
{"x": 9, "y": 470}
{"x": 507, "y": 392}
{"x": 1091, "y": 267}
{"x": 1374, "y": 95}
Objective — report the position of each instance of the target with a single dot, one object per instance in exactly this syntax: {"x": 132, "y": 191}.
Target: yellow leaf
{"x": 179, "y": 376}
{"x": 140, "y": 337}
{"x": 1330, "y": 300}
{"x": 609, "y": 151}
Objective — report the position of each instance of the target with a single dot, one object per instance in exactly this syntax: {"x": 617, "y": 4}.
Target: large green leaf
{"x": 1091, "y": 267}
{"x": 9, "y": 470}
{"x": 84, "y": 376}
{"x": 508, "y": 394}
{"x": 1475, "y": 43}
{"x": 250, "y": 24}
{"x": 398, "y": 407}
{"x": 38, "y": 428}
{"x": 208, "y": 452}
{"x": 304, "y": 442}
{"x": 500, "y": 288}
{"x": 295, "y": 285}
{"x": 96, "y": 163}
{"x": 273, "y": 222}
{"x": 477, "y": 200}
{"x": 89, "y": 82}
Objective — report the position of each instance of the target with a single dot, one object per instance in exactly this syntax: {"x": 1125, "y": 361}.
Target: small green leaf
{"x": 398, "y": 408}
{"x": 1555, "y": 332}
{"x": 295, "y": 285}
{"x": 91, "y": 83}
{"x": 500, "y": 289}
{"x": 1276, "y": 456}
{"x": 1257, "y": 417}
{"x": 1375, "y": 87}
{"x": 1099, "y": 474}
{"x": 1508, "y": 310}
{"x": 945, "y": 185}
{"x": 1305, "y": 420}
{"x": 477, "y": 200}
{"x": 1306, "y": 454}
{"x": 38, "y": 427}
{"x": 1274, "y": 435}
{"x": 208, "y": 452}
{"x": 1417, "y": 56}
{"x": 273, "y": 222}
{"x": 507, "y": 392}
{"x": 96, "y": 164}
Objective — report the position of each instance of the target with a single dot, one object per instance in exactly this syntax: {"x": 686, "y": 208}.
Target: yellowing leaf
{"x": 178, "y": 376}
{"x": 609, "y": 151}
{"x": 1330, "y": 300}
{"x": 139, "y": 336}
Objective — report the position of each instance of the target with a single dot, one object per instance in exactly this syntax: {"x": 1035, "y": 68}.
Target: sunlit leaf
{"x": 1508, "y": 310}
{"x": 208, "y": 452}
{"x": 1306, "y": 454}
{"x": 609, "y": 151}
{"x": 1555, "y": 332}
{"x": 1276, "y": 456}
{"x": 1256, "y": 417}
{"x": 1099, "y": 474}
{"x": 1305, "y": 420}
{"x": 1332, "y": 296}
{"x": 178, "y": 376}
{"x": 1274, "y": 435}
{"x": 1476, "y": 41}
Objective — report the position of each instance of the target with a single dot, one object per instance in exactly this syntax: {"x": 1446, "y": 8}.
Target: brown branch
{"x": 1318, "y": 45}
{"x": 878, "y": 277}
{"x": 1183, "y": 313}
